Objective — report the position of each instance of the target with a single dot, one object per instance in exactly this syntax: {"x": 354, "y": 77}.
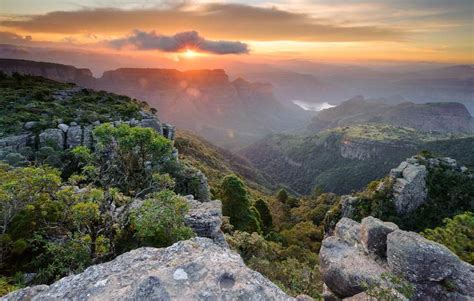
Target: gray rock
{"x": 409, "y": 190}
{"x": 345, "y": 269}
{"x": 348, "y": 230}
{"x": 418, "y": 259}
{"x": 373, "y": 235}
{"x": 195, "y": 269}
{"x": 348, "y": 204}
{"x": 54, "y": 137}
{"x": 88, "y": 139}
{"x": 152, "y": 123}
{"x": 74, "y": 136}
{"x": 205, "y": 219}
{"x": 63, "y": 127}
{"x": 30, "y": 125}
{"x": 73, "y": 123}
{"x": 15, "y": 143}
{"x": 168, "y": 131}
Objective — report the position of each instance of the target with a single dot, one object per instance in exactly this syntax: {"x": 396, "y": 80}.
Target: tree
{"x": 129, "y": 157}
{"x": 237, "y": 205}
{"x": 265, "y": 215}
{"x": 457, "y": 234}
{"x": 159, "y": 222}
{"x": 282, "y": 196}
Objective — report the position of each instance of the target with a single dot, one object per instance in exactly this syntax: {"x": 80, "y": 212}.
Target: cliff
{"x": 57, "y": 72}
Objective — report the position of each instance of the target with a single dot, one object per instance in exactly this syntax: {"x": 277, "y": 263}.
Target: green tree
{"x": 128, "y": 157}
{"x": 159, "y": 222}
{"x": 265, "y": 215}
{"x": 457, "y": 234}
{"x": 237, "y": 205}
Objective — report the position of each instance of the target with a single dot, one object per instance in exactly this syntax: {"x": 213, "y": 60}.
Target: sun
{"x": 190, "y": 53}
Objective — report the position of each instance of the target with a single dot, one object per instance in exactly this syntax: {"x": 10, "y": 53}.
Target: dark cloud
{"x": 11, "y": 37}
{"x": 180, "y": 41}
{"x": 216, "y": 21}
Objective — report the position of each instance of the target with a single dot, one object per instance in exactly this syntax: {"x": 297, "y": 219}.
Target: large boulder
{"x": 373, "y": 235}
{"x": 409, "y": 188}
{"x": 52, "y": 137}
{"x": 370, "y": 254}
{"x": 74, "y": 136}
{"x": 15, "y": 143}
{"x": 195, "y": 269}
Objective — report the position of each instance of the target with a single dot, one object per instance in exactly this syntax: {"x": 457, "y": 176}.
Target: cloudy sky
{"x": 399, "y": 30}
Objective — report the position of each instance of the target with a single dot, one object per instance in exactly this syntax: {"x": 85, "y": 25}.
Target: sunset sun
{"x": 190, "y": 53}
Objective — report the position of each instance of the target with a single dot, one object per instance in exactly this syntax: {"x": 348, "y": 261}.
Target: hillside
{"x": 429, "y": 117}
{"x": 344, "y": 159}
{"x": 217, "y": 162}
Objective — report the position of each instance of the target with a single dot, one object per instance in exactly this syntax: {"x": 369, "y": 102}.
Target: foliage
{"x": 265, "y": 215}
{"x": 391, "y": 288}
{"x": 457, "y": 234}
{"x": 237, "y": 205}
{"x": 127, "y": 157}
{"x": 294, "y": 269}
{"x": 25, "y": 98}
{"x": 159, "y": 222}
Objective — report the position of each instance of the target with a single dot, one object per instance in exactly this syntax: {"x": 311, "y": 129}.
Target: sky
{"x": 337, "y": 30}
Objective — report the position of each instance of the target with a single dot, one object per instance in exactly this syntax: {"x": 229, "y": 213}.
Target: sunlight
{"x": 190, "y": 54}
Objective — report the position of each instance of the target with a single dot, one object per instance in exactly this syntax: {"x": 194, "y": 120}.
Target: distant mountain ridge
{"x": 429, "y": 117}
{"x": 228, "y": 113}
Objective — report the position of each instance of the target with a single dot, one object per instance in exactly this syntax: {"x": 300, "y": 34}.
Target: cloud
{"x": 216, "y": 21}
{"x": 11, "y": 37}
{"x": 184, "y": 40}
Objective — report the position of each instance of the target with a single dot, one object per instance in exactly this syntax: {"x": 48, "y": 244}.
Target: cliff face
{"x": 57, "y": 72}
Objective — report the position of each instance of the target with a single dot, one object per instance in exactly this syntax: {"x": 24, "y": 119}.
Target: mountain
{"x": 57, "y": 72}
{"x": 228, "y": 113}
{"x": 344, "y": 159}
{"x": 429, "y": 117}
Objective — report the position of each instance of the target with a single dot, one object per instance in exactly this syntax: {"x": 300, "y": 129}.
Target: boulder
{"x": 345, "y": 269}
{"x": 15, "y": 143}
{"x": 205, "y": 219}
{"x": 195, "y": 269}
{"x": 52, "y": 137}
{"x": 435, "y": 272}
{"x": 373, "y": 235}
{"x": 74, "y": 136}
{"x": 409, "y": 188}
{"x": 348, "y": 230}
{"x": 63, "y": 127}
{"x": 30, "y": 125}
{"x": 350, "y": 263}
{"x": 88, "y": 139}
{"x": 152, "y": 123}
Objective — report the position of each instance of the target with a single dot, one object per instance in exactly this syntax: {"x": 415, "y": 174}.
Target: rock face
{"x": 358, "y": 255}
{"x": 195, "y": 269}
{"x": 58, "y": 72}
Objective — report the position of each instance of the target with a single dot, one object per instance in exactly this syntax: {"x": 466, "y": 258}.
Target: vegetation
{"x": 457, "y": 234}
{"x": 26, "y": 98}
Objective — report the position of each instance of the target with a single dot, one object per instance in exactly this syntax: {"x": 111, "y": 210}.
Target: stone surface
{"x": 151, "y": 123}
{"x": 63, "y": 127}
{"x": 15, "y": 143}
{"x": 345, "y": 269}
{"x": 433, "y": 271}
{"x": 348, "y": 230}
{"x": 205, "y": 218}
{"x": 409, "y": 188}
{"x": 52, "y": 136}
{"x": 74, "y": 136}
{"x": 373, "y": 235}
{"x": 195, "y": 269}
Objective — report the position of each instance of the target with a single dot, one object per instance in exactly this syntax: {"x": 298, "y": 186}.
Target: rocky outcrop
{"x": 196, "y": 269}
{"x": 409, "y": 188}
{"x": 359, "y": 256}
{"x": 205, "y": 218}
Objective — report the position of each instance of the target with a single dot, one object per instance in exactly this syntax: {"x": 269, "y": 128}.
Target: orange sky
{"x": 428, "y": 30}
